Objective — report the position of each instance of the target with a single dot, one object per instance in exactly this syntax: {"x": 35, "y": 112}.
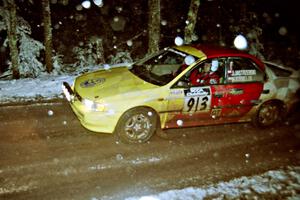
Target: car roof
{"x": 212, "y": 51}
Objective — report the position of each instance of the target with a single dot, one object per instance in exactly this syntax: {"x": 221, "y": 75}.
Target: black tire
{"x": 268, "y": 114}
{"x": 136, "y": 125}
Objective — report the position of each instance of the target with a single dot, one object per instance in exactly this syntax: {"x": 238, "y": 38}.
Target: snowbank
{"x": 277, "y": 184}
{"x": 29, "y": 89}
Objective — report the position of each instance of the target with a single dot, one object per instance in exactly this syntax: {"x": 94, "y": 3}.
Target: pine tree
{"x": 28, "y": 49}
{"x": 47, "y": 35}
{"x": 153, "y": 26}
{"x": 11, "y": 22}
{"x": 191, "y": 21}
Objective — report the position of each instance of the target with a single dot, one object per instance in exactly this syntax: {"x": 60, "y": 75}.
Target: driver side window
{"x": 208, "y": 72}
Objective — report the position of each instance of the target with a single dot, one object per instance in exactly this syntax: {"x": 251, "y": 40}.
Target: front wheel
{"x": 136, "y": 125}
{"x": 268, "y": 114}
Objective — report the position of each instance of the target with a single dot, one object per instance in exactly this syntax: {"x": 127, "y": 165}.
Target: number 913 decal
{"x": 197, "y": 99}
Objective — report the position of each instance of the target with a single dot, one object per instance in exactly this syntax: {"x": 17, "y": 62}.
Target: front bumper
{"x": 68, "y": 92}
{"x": 96, "y": 121}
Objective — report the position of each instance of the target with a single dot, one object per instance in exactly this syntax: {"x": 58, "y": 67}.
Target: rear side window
{"x": 279, "y": 71}
{"x": 242, "y": 70}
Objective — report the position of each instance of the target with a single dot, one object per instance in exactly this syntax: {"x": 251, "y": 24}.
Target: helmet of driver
{"x": 214, "y": 65}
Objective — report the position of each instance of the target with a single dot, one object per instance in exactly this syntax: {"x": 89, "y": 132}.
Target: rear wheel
{"x": 136, "y": 125}
{"x": 268, "y": 114}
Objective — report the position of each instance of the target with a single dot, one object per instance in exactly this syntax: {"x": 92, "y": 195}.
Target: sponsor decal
{"x": 236, "y": 91}
{"x": 92, "y": 82}
{"x": 216, "y": 112}
{"x": 176, "y": 92}
{"x": 249, "y": 72}
{"x": 240, "y": 79}
{"x": 197, "y": 91}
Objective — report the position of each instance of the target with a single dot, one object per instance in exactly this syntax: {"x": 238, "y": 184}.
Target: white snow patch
{"x": 98, "y": 167}
{"x": 14, "y": 188}
{"x": 145, "y": 160}
{"x": 46, "y": 87}
{"x": 276, "y": 183}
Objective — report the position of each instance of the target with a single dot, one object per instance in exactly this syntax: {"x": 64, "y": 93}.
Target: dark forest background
{"x": 270, "y": 24}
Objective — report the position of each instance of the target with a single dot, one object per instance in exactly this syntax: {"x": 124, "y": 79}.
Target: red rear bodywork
{"x": 218, "y": 103}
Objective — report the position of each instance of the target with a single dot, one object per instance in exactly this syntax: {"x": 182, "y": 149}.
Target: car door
{"x": 243, "y": 85}
{"x": 189, "y": 104}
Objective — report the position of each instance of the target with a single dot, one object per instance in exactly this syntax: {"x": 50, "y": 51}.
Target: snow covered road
{"x": 46, "y": 154}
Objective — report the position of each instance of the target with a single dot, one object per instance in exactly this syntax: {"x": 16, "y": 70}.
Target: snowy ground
{"x": 44, "y": 88}
{"x": 278, "y": 184}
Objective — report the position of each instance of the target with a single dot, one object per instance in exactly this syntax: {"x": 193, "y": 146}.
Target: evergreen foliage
{"x": 29, "y": 48}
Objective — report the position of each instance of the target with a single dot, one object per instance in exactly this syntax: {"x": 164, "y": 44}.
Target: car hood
{"x": 106, "y": 83}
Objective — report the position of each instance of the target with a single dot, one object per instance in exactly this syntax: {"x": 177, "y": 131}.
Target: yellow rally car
{"x": 181, "y": 87}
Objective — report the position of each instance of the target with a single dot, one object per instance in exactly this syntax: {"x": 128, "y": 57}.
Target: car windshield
{"x": 161, "y": 68}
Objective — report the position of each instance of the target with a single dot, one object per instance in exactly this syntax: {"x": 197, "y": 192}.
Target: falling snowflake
{"x": 119, "y": 157}
{"x": 50, "y": 112}
{"x": 164, "y": 22}
{"x": 178, "y": 41}
{"x": 240, "y": 42}
{"x": 119, "y": 9}
{"x": 129, "y": 43}
{"x": 98, "y": 3}
{"x": 282, "y": 31}
{"x": 116, "y": 19}
{"x": 179, "y": 122}
{"x": 86, "y": 4}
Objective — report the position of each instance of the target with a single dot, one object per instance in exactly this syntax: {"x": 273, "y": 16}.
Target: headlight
{"x": 91, "y": 105}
